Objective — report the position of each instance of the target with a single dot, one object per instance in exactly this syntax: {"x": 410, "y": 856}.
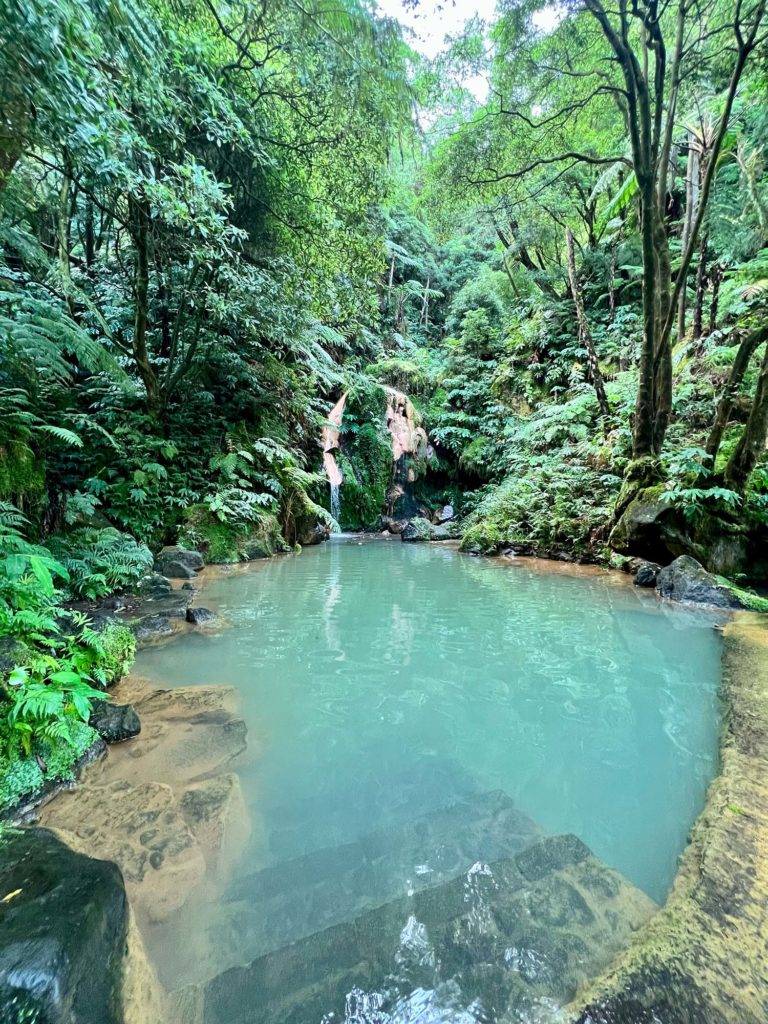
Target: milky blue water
{"x": 381, "y": 681}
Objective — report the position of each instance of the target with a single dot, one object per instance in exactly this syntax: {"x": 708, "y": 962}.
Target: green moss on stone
{"x": 119, "y": 644}
{"x": 225, "y": 543}
{"x": 22, "y": 776}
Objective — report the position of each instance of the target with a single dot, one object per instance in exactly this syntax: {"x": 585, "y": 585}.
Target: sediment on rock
{"x": 164, "y": 805}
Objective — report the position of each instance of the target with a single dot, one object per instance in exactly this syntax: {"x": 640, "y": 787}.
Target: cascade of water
{"x": 335, "y": 501}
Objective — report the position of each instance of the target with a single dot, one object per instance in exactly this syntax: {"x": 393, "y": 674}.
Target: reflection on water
{"x": 419, "y": 713}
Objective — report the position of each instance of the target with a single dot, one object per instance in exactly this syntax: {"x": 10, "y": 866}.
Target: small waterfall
{"x": 330, "y": 442}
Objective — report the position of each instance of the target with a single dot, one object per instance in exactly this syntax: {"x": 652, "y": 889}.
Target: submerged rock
{"x": 490, "y": 938}
{"x": 152, "y": 805}
{"x": 114, "y": 722}
{"x": 198, "y": 616}
{"x": 63, "y": 929}
{"x": 647, "y": 573}
{"x": 685, "y": 579}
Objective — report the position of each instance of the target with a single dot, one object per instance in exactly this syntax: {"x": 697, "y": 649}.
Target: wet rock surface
{"x": 702, "y": 959}
{"x": 685, "y": 579}
{"x": 63, "y": 930}
{"x": 417, "y": 530}
{"x": 164, "y": 806}
{"x": 490, "y": 941}
{"x": 199, "y": 616}
{"x": 647, "y": 574}
{"x": 114, "y": 722}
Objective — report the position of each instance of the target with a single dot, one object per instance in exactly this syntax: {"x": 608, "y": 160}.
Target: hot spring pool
{"x": 416, "y": 717}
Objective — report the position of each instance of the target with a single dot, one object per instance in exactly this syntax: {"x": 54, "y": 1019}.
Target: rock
{"x": 63, "y": 931}
{"x": 647, "y": 574}
{"x": 152, "y": 626}
{"x": 445, "y": 514}
{"x": 178, "y": 562}
{"x": 417, "y": 530}
{"x": 188, "y": 586}
{"x": 141, "y": 828}
{"x": 197, "y": 616}
{"x": 445, "y": 531}
{"x": 154, "y": 585}
{"x": 394, "y": 526}
{"x": 114, "y": 722}
{"x": 310, "y": 529}
{"x": 551, "y": 854}
{"x": 687, "y": 580}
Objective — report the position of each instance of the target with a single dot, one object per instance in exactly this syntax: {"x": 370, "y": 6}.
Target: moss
{"x": 226, "y": 543}
{"x": 366, "y": 464}
{"x": 21, "y": 776}
{"x": 482, "y": 538}
{"x": 119, "y": 644}
{"x": 21, "y": 473}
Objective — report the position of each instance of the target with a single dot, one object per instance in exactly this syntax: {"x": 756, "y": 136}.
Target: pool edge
{"x": 702, "y": 957}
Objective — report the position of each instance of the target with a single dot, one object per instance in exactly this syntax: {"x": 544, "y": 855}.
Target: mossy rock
{"x": 482, "y": 538}
{"x": 119, "y": 643}
{"x": 24, "y": 777}
{"x": 224, "y": 543}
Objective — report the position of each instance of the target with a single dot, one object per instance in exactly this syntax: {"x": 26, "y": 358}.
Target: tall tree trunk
{"x": 612, "y": 285}
{"x": 424, "y": 314}
{"x": 584, "y": 332}
{"x": 691, "y": 198}
{"x": 751, "y": 444}
{"x": 744, "y": 355}
{"x": 139, "y": 235}
{"x": 716, "y": 275}
{"x": 701, "y": 287}
{"x": 391, "y": 279}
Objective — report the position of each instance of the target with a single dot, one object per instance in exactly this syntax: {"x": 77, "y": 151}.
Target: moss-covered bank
{"x": 704, "y": 958}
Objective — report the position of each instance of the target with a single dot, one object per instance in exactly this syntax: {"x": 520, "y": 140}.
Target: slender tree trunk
{"x": 391, "y": 279}
{"x": 743, "y": 357}
{"x": 691, "y": 197}
{"x": 424, "y": 314}
{"x": 139, "y": 233}
{"x": 701, "y": 288}
{"x": 584, "y": 332}
{"x": 751, "y": 444}
{"x": 612, "y": 285}
{"x": 90, "y": 235}
{"x": 716, "y": 275}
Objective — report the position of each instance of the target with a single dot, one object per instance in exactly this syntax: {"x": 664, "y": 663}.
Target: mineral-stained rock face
{"x": 330, "y": 441}
{"x": 63, "y": 930}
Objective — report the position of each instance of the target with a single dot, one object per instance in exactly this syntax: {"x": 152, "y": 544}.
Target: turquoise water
{"x": 382, "y": 682}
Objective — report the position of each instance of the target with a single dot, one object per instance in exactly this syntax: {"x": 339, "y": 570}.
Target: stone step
{"x": 276, "y": 906}
{"x": 501, "y": 942}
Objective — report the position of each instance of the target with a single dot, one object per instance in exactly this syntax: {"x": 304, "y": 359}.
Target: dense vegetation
{"x": 217, "y": 218}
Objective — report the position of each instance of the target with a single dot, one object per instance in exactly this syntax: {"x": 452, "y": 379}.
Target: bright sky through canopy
{"x": 432, "y": 20}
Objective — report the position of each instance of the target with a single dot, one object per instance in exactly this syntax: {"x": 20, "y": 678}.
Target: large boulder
{"x": 685, "y": 579}
{"x": 63, "y": 931}
{"x": 417, "y": 530}
{"x": 178, "y": 563}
